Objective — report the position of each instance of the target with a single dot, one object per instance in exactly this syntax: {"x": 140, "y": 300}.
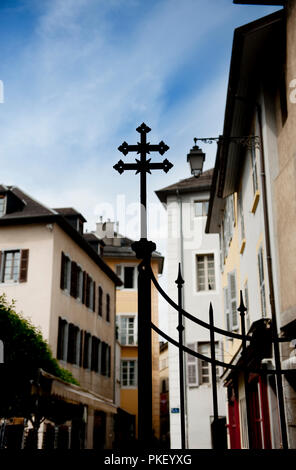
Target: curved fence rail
{"x": 239, "y": 366}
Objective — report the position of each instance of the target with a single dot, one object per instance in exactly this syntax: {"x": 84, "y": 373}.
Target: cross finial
{"x": 143, "y": 165}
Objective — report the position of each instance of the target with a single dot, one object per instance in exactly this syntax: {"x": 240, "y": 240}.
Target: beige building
{"x": 66, "y": 289}
{"x": 118, "y": 254}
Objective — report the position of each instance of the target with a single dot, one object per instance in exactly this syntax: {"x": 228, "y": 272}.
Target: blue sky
{"x": 79, "y": 77}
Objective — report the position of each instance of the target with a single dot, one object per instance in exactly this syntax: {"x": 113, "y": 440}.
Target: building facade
{"x": 186, "y": 203}
{"x": 252, "y": 207}
{"x": 57, "y": 278}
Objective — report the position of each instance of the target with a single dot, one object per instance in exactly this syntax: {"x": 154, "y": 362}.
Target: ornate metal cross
{"x": 143, "y": 166}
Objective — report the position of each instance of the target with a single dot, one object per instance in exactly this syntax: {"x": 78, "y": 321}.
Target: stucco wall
{"x": 62, "y": 304}
{"x": 285, "y": 187}
{"x": 33, "y": 298}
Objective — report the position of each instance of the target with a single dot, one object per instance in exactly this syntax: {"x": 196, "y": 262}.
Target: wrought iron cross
{"x": 143, "y": 166}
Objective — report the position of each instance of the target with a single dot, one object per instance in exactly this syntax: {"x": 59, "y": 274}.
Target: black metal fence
{"x": 247, "y": 341}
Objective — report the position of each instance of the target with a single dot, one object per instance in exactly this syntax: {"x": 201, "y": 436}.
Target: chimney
{"x": 105, "y": 231}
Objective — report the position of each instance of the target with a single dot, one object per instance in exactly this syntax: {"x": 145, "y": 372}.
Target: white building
{"x": 186, "y": 203}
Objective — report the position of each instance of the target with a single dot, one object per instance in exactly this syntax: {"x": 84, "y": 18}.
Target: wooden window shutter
{"x": 24, "y": 265}
{"x": 71, "y": 345}
{"x": 103, "y": 358}
{"x": 73, "y": 285}
{"x": 233, "y": 301}
{"x": 109, "y": 361}
{"x": 119, "y": 273}
{"x": 192, "y": 372}
{"x": 108, "y": 307}
{"x": 63, "y": 263}
{"x": 84, "y": 287}
{"x": 94, "y": 296}
{"x": 100, "y": 301}
{"x": 226, "y": 309}
{"x": 81, "y": 347}
{"x": 60, "y": 339}
{"x": 87, "y": 290}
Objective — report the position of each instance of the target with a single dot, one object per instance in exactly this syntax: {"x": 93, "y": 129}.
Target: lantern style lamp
{"x": 196, "y": 159}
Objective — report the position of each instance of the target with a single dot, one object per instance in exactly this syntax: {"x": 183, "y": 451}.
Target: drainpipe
{"x": 184, "y": 306}
{"x": 281, "y": 403}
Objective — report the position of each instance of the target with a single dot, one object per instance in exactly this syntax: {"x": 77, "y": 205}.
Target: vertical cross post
{"x": 180, "y": 328}
{"x": 144, "y": 249}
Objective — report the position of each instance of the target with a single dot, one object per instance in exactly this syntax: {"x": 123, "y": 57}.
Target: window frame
{"x": 204, "y": 204}
{"x": 200, "y": 344}
{"x": 129, "y": 385}
{"x": 119, "y": 269}
{"x": 119, "y": 317}
{"x": 3, "y": 261}
{"x": 206, "y": 261}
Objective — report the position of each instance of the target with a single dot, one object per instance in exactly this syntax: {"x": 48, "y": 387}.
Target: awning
{"x": 77, "y": 395}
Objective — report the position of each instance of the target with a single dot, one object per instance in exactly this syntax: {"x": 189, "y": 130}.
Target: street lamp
{"x": 196, "y": 159}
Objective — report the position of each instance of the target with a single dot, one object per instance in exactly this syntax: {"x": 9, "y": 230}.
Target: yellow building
{"x": 119, "y": 255}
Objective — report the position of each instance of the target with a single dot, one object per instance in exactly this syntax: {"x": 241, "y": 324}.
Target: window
{"x": 232, "y": 300}
{"x": 62, "y": 340}
{"x": 108, "y": 307}
{"x": 226, "y": 309}
{"x": 91, "y": 294}
{"x": 205, "y": 368}
{"x": 261, "y": 282}
{"x": 228, "y": 223}
{"x": 65, "y": 273}
{"x": 74, "y": 337}
{"x": 254, "y": 169}
{"x": 230, "y": 303}
{"x": 105, "y": 359}
{"x": 100, "y": 301}
{"x": 79, "y": 283}
{"x": 95, "y": 354}
{"x": 128, "y": 371}
{"x": 108, "y": 361}
{"x": 2, "y": 205}
{"x": 128, "y": 276}
{"x": 201, "y": 208}
{"x": 87, "y": 351}
{"x": 11, "y": 266}
{"x": 242, "y": 222}
{"x": 192, "y": 367}
{"x": 127, "y": 330}
{"x": 205, "y": 272}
